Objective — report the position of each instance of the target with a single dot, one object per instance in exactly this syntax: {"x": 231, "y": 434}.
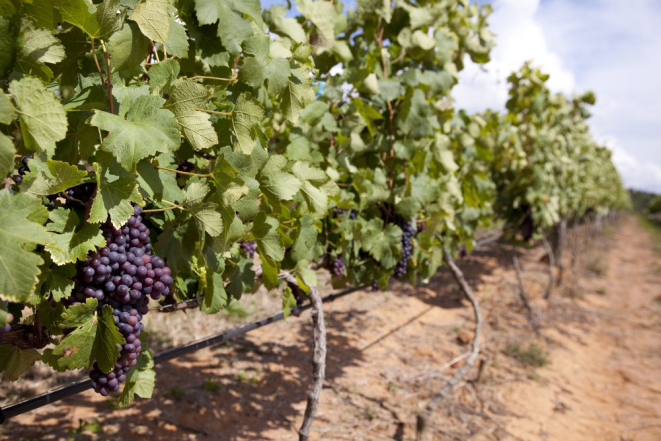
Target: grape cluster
{"x": 249, "y": 248}
{"x": 82, "y": 192}
{"x": 375, "y": 285}
{"x": 338, "y": 266}
{"x": 408, "y": 232}
{"x": 186, "y": 167}
{"x": 351, "y": 212}
{"x": 123, "y": 274}
{"x": 22, "y": 170}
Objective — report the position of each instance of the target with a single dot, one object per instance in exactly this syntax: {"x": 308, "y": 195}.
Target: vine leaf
{"x": 276, "y": 183}
{"x": 21, "y": 224}
{"x": 246, "y": 117}
{"x": 384, "y": 244}
{"x": 140, "y": 380}
{"x": 233, "y": 29}
{"x": 153, "y": 18}
{"x": 73, "y": 241}
{"x": 114, "y": 194}
{"x": 95, "y": 338}
{"x": 42, "y": 117}
{"x": 81, "y": 14}
{"x": 128, "y": 47}
{"x": 7, "y": 152}
{"x": 215, "y": 296}
{"x": 312, "y": 179}
{"x": 288, "y": 302}
{"x": 57, "y": 280}
{"x": 37, "y": 47}
{"x": 14, "y": 361}
{"x": 265, "y": 230}
{"x": 297, "y": 94}
{"x": 185, "y": 97}
{"x": 147, "y": 130}
{"x": 51, "y": 177}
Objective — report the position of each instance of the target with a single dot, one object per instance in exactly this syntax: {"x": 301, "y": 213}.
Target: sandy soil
{"x": 600, "y": 344}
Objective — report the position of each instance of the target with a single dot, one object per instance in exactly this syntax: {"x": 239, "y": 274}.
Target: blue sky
{"x": 609, "y": 46}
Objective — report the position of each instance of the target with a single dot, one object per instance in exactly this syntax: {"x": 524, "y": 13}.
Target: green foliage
{"x": 282, "y": 148}
{"x": 533, "y": 355}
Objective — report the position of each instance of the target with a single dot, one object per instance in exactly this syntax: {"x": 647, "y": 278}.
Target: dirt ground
{"x": 593, "y": 372}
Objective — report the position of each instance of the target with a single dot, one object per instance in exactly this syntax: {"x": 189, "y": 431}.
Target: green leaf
{"x": 95, "y": 338}
{"x": 312, "y": 179}
{"x": 215, "y": 296}
{"x": 81, "y": 14}
{"x": 296, "y": 95}
{"x": 21, "y": 219}
{"x": 114, "y": 195}
{"x": 108, "y": 19}
{"x": 37, "y": 46}
{"x": 139, "y": 381}
{"x": 208, "y": 219}
{"x": 322, "y": 15}
{"x": 14, "y": 361}
{"x": 176, "y": 245}
{"x": 42, "y": 117}
{"x": 147, "y": 130}
{"x": 128, "y": 47}
{"x": 57, "y": 280}
{"x": 51, "y": 177}
{"x": 265, "y": 230}
{"x": 246, "y": 116}
{"x": 185, "y": 97}
{"x": 276, "y": 183}
{"x": 384, "y": 244}
{"x": 7, "y": 110}
{"x": 304, "y": 240}
{"x": 232, "y": 28}
{"x": 242, "y": 278}
{"x": 305, "y": 276}
{"x": 288, "y": 302}
{"x": 158, "y": 184}
{"x": 7, "y": 152}
{"x": 281, "y": 25}
{"x": 74, "y": 241}
{"x": 177, "y": 44}
{"x": 153, "y": 18}
{"x": 7, "y": 44}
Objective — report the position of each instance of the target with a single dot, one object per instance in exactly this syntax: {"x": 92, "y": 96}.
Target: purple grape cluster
{"x": 22, "y": 170}
{"x": 123, "y": 274}
{"x": 351, "y": 212}
{"x": 375, "y": 285}
{"x": 249, "y": 248}
{"x": 82, "y": 192}
{"x": 409, "y": 230}
{"x": 338, "y": 268}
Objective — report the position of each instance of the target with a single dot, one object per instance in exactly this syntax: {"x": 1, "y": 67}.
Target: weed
{"x": 602, "y": 291}
{"x": 211, "y": 386}
{"x": 534, "y": 355}
{"x": 176, "y": 393}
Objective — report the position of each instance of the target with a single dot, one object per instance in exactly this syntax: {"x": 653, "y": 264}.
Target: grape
{"x": 186, "y": 167}
{"x": 123, "y": 275}
{"x": 338, "y": 266}
{"x": 408, "y": 231}
{"x": 249, "y": 248}
{"x": 375, "y": 285}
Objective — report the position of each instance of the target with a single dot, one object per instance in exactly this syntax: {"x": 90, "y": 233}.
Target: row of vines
{"x": 156, "y": 152}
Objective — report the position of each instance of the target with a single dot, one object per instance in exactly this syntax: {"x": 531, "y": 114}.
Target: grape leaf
{"x": 176, "y": 245}
{"x": 304, "y": 240}
{"x": 128, "y": 47}
{"x": 322, "y": 15}
{"x": 7, "y": 46}
{"x": 7, "y": 152}
{"x": 7, "y": 110}
{"x": 147, "y": 130}
{"x": 57, "y": 280}
{"x": 14, "y": 361}
{"x": 163, "y": 74}
{"x": 140, "y": 380}
{"x": 158, "y": 184}
{"x": 108, "y": 19}
{"x": 384, "y": 244}
{"x": 306, "y": 277}
{"x": 276, "y": 183}
{"x": 258, "y": 66}
{"x": 153, "y": 18}
{"x": 21, "y": 219}
{"x": 246, "y": 116}
{"x": 288, "y": 302}
{"x": 95, "y": 338}
{"x": 265, "y": 230}
{"x": 51, "y": 177}
{"x": 312, "y": 179}
{"x": 208, "y": 218}
{"x": 232, "y": 28}
{"x": 177, "y": 44}
{"x": 242, "y": 278}
{"x": 81, "y": 14}
{"x": 185, "y": 97}
{"x": 215, "y": 296}
{"x": 37, "y": 46}
{"x": 296, "y": 95}
{"x": 74, "y": 241}
{"x": 281, "y": 25}
{"x": 114, "y": 195}
{"x": 42, "y": 117}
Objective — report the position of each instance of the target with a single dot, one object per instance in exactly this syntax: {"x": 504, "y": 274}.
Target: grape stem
{"x": 201, "y": 175}
{"x": 205, "y": 77}
{"x": 215, "y": 112}
{"x": 157, "y": 210}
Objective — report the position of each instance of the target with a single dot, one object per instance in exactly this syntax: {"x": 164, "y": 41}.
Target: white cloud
{"x": 609, "y": 46}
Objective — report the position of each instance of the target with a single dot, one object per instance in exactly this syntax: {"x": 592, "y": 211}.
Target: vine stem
{"x": 96, "y": 61}
{"x": 109, "y": 81}
{"x": 215, "y": 112}
{"x": 205, "y": 77}
{"x": 158, "y": 210}
{"x": 523, "y": 294}
{"x": 391, "y": 112}
{"x": 423, "y": 418}
{"x": 201, "y": 175}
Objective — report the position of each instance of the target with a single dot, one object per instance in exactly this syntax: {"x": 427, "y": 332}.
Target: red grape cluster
{"x": 123, "y": 274}
{"x": 338, "y": 266}
{"x": 249, "y": 248}
{"x": 409, "y": 230}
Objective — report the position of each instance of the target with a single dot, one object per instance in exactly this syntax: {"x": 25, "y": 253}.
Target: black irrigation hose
{"x": 76, "y": 388}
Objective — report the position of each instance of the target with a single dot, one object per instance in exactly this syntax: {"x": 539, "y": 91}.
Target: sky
{"x": 612, "y": 47}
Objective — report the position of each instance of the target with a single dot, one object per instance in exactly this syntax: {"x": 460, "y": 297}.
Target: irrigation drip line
{"x": 76, "y": 388}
